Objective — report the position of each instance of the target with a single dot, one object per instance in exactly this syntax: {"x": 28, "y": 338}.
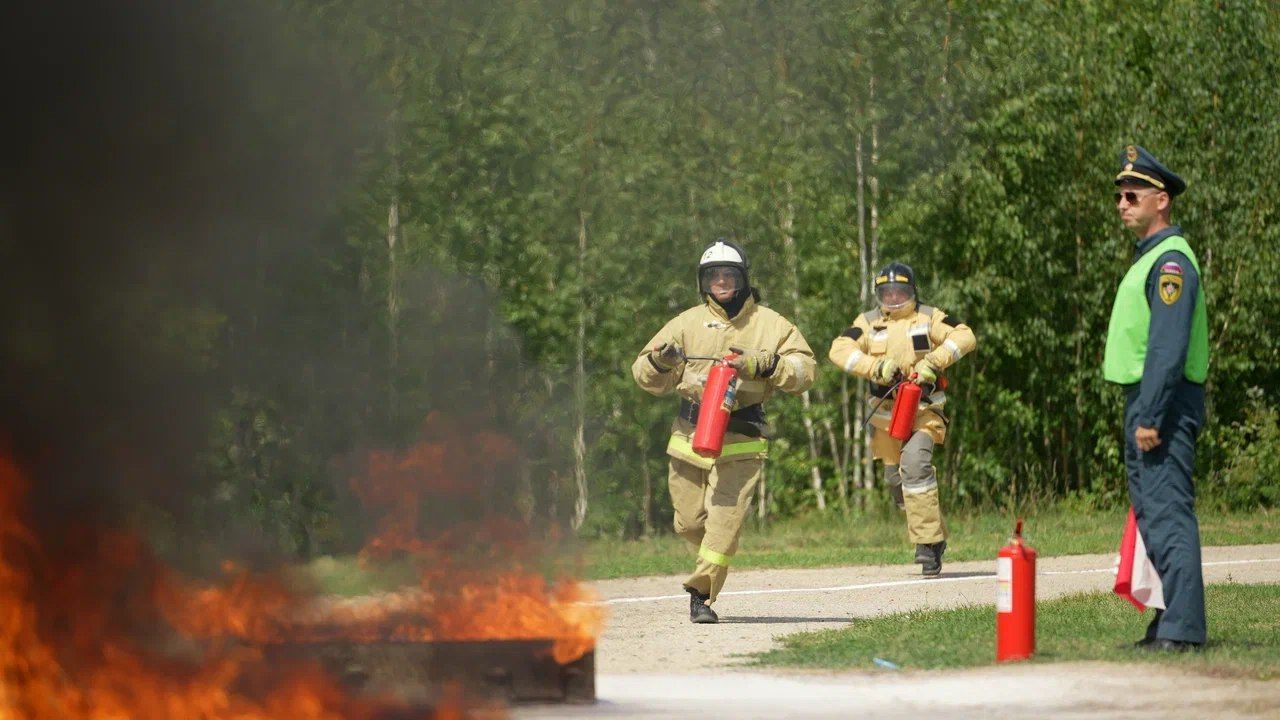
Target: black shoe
{"x": 930, "y": 556}
{"x": 1143, "y": 643}
{"x": 1163, "y": 645}
{"x": 699, "y": 611}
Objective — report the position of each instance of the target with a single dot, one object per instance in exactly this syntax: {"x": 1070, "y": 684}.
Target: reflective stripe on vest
{"x": 1126, "y": 350}
{"x": 682, "y": 447}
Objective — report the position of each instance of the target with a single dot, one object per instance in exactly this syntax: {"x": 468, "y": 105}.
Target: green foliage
{"x": 1251, "y": 448}
{"x": 262, "y": 472}
{"x": 555, "y": 167}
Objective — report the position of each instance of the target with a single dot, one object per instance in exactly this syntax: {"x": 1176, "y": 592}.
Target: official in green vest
{"x": 1158, "y": 351}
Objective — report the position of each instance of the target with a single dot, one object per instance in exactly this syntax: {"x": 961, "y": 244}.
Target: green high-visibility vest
{"x": 1131, "y": 319}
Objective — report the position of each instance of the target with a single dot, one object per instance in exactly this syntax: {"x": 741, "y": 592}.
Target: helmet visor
{"x": 721, "y": 282}
{"x": 895, "y": 295}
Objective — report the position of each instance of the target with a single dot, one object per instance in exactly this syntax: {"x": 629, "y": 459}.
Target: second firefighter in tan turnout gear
{"x": 711, "y": 498}
{"x": 894, "y": 342}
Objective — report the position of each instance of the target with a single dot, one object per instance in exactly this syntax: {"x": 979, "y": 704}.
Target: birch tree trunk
{"x": 762, "y": 497}
{"x": 860, "y": 444}
{"x": 873, "y": 180}
{"x": 555, "y": 486}
{"x": 646, "y": 503}
{"x": 580, "y": 384}
{"x": 1081, "y": 321}
{"x": 873, "y": 184}
{"x": 842, "y": 479}
{"x": 787, "y": 222}
{"x": 395, "y": 76}
{"x": 393, "y": 291}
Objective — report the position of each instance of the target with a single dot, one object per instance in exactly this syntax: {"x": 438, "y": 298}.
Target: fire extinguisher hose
{"x": 886, "y": 396}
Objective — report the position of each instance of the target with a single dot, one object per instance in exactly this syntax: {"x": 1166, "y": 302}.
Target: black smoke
{"x": 161, "y": 161}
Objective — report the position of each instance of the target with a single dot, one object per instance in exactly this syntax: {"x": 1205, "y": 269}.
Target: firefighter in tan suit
{"x": 902, "y": 340}
{"x": 711, "y": 498}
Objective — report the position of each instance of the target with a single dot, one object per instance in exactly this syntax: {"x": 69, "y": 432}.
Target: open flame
{"x": 493, "y": 596}
{"x": 472, "y": 581}
{"x": 510, "y": 606}
{"x": 94, "y": 627}
{"x": 71, "y": 646}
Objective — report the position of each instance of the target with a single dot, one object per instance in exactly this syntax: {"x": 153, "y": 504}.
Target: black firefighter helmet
{"x": 895, "y": 286}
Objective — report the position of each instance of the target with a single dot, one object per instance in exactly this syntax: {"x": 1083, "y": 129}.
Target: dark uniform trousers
{"x": 1163, "y": 497}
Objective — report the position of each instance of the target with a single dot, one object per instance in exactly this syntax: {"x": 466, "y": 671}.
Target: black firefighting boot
{"x": 930, "y": 556}
{"x": 699, "y": 611}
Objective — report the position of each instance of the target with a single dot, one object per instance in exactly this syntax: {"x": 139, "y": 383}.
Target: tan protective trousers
{"x": 912, "y": 467}
{"x": 710, "y": 508}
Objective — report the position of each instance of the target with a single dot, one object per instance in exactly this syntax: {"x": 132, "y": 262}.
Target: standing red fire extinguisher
{"x": 718, "y": 397}
{"x": 1015, "y": 599}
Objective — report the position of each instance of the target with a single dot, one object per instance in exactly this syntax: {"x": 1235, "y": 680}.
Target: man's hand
{"x": 666, "y": 356}
{"x": 1146, "y": 438}
{"x": 885, "y": 371}
{"x": 755, "y": 363}
{"x": 925, "y": 374}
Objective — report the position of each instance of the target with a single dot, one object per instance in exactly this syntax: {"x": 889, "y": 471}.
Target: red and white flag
{"x": 1136, "y": 578}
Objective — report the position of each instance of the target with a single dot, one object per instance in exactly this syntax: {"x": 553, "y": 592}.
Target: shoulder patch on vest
{"x": 1171, "y": 268}
{"x": 1170, "y": 286}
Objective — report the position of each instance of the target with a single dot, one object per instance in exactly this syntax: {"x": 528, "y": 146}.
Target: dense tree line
{"x": 533, "y": 181}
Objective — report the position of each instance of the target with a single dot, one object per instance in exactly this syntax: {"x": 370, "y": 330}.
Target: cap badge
{"x": 1131, "y": 153}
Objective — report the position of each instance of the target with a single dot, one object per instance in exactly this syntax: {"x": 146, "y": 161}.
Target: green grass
{"x": 820, "y": 540}
{"x": 1244, "y": 636}
{"x": 827, "y": 540}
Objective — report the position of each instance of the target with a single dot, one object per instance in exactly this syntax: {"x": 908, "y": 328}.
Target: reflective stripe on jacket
{"x": 706, "y": 330}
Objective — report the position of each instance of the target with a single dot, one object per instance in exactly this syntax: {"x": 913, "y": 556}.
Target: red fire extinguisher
{"x": 1015, "y": 599}
{"x": 717, "y": 403}
{"x": 903, "y": 421}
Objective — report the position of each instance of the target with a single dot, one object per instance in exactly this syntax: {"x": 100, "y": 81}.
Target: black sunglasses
{"x": 1130, "y": 196}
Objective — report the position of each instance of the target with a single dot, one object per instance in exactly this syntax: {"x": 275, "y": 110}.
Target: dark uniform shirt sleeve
{"x": 1168, "y": 335}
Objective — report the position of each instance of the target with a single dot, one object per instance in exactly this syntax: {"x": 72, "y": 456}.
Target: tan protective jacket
{"x": 706, "y": 330}
{"x": 911, "y": 334}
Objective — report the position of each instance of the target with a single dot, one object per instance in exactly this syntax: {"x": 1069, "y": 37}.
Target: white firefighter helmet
{"x": 723, "y": 265}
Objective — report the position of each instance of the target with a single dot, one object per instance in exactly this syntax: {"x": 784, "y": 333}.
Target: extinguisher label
{"x": 1004, "y": 584}
{"x": 730, "y": 396}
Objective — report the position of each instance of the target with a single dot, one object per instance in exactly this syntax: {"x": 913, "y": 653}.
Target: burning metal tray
{"x": 512, "y": 671}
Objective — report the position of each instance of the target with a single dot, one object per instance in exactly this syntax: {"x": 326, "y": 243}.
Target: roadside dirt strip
{"x": 652, "y": 662}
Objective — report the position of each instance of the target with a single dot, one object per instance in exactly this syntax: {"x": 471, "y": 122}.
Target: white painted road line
{"x": 902, "y": 583}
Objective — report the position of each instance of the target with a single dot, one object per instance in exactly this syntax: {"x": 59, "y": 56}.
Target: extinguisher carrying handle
{"x": 712, "y": 358}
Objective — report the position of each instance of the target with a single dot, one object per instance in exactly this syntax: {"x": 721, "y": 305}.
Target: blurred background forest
{"x": 522, "y": 190}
